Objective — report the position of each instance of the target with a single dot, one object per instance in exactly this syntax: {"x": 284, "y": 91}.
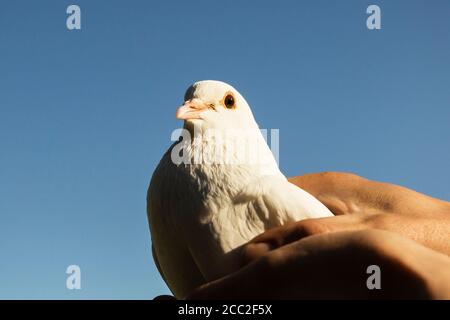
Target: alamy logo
{"x": 374, "y": 280}
{"x": 73, "y": 21}
{"x": 374, "y": 20}
{"x": 74, "y": 279}
{"x": 229, "y": 147}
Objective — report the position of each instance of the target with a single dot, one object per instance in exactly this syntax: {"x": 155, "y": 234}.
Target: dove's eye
{"x": 229, "y": 101}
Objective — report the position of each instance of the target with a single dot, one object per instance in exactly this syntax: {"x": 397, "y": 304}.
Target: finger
{"x": 323, "y": 266}
{"x": 291, "y": 232}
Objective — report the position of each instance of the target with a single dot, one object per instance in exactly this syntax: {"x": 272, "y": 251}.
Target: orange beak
{"x": 191, "y": 110}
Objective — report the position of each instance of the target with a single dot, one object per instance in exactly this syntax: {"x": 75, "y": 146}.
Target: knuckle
{"x": 379, "y": 221}
{"x": 253, "y": 251}
{"x": 272, "y": 259}
{"x": 312, "y": 227}
{"x": 334, "y": 176}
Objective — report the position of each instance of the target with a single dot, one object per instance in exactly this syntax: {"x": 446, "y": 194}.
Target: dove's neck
{"x": 239, "y": 148}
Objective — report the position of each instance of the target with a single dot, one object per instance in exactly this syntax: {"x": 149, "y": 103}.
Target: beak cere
{"x": 191, "y": 110}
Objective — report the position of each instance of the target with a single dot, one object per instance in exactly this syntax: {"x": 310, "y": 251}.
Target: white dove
{"x": 202, "y": 210}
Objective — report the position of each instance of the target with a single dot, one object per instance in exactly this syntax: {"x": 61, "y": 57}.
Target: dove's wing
{"x": 268, "y": 202}
{"x": 274, "y": 200}
{"x": 170, "y": 249}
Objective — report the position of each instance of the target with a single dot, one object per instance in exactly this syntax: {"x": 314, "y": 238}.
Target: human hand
{"x": 316, "y": 258}
{"x": 333, "y": 266}
{"x": 374, "y": 205}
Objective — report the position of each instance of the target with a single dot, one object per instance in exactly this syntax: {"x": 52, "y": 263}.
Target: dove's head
{"x": 215, "y": 105}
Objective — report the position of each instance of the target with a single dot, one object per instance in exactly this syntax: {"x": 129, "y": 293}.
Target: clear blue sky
{"x": 86, "y": 115}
